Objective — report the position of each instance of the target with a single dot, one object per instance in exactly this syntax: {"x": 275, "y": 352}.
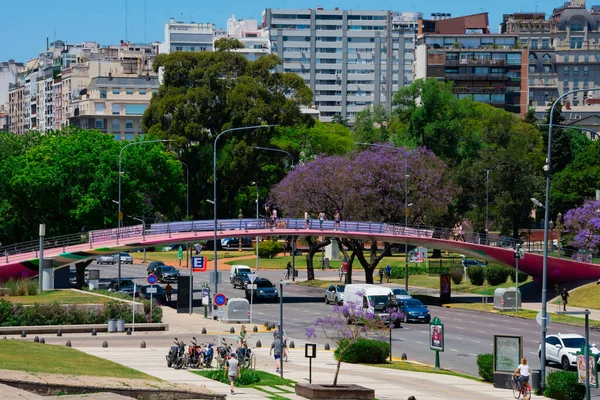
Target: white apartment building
{"x": 351, "y": 59}
{"x": 181, "y": 36}
{"x": 255, "y": 40}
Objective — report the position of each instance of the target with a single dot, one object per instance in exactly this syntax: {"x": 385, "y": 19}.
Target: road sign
{"x": 212, "y": 277}
{"x": 219, "y": 313}
{"x": 151, "y": 290}
{"x": 180, "y": 253}
{"x": 120, "y": 215}
{"x": 251, "y": 286}
{"x": 220, "y": 299}
{"x": 538, "y": 318}
{"x": 199, "y": 264}
{"x": 152, "y": 279}
{"x": 252, "y": 276}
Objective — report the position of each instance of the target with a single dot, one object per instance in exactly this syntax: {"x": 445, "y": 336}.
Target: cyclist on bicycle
{"x": 521, "y": 374}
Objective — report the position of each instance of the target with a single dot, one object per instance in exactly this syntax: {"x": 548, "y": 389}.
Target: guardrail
{"x": 250, "y": 224}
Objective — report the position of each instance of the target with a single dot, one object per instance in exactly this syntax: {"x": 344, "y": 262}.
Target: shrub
{"x": 398, "y": 271}
{"x": 369, "y": 351}
{"x": 485, "y": 364}
{"x": 563, "y": 385}
{"x": 496, "y": 275}
{"x": 247, "y": 377}
{"x": 513, "y": 272}
{"x": 457, "y": 275}
{"x": 476, "y": 275}
{"x": 269, "y": 249}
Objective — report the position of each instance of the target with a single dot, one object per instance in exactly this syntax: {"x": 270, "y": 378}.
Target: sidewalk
{"x": 388, "y": 384}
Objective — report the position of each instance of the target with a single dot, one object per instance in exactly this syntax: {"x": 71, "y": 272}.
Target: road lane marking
{"x": 476, "y": 341}
{"x": 454, "y": 350}
{"x": 416, "y": 341}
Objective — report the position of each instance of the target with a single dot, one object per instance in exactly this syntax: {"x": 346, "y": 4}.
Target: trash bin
{"x": 296, "y": 273}
{"x": 112, "y": 325}
{"x": 120, "y": 325}
{"x": 535, "y": 379}
{"x": 326, "y": 261}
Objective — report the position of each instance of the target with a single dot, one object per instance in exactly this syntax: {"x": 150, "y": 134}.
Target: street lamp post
{"x": 592, "y": 132}
{"x": 406, "y": 176}
{"x": 215, "y": 188}
{"x": 546, "y": 220}
{"x": 279, "y": 150}
{"x": 257, "y": 217}
{"x": 487, "y": 202}
{"x": 120, "y": 215}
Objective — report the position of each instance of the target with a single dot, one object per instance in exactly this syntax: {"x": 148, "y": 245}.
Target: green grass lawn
{"x": 34, "y": 357}
{"x": 266, "y": 379}
{"x": 587, "y": 296}
{"x": 171, "y": 257}
{"x": 465, "y": 287}
{"x": 529, "y": 314}
{"x": 408, "y": 366}
{"x": 58, "y": 296}
{"x": 318, "y": 283}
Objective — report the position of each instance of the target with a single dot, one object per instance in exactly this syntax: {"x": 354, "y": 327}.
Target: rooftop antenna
{"x": 145, "y": 19}
{"x": 536, "y": 4}
{"x": 126, "y": 12}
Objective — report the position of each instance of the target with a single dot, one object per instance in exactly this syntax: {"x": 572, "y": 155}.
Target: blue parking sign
{"x": 199, "y": 264}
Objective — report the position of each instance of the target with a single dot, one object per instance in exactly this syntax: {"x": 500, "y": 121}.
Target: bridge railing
{"x": 33, "y": 246}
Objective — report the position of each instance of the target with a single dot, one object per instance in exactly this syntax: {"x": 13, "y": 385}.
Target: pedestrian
{"x": 274, "y": 218}
{"x": 337, "y": 221}
{"x": 276, "y": 351}
{"x": 380, "y": 274}
{"x": 455, "y": 232}
{"x": 242, "y": 336}
{"x": 306, "y": 218}
{"x": 321, "y": 219}
{"x": 388, "y": 272}
{"x": 341, "y": 273}
{"x": 267, "y": 215}
{"x": 168, "y": 291}
{"x": 277, "y": 332}
{"x": 461, "y": 237}
{"x": 564, "y": 295}
{"x": 288, "y": 272}
{"x": 232, "y": 370}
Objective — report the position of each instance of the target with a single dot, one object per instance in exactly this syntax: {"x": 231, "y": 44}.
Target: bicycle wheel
{"x": 527, "y": 391}
{"x": 516, "y": 391}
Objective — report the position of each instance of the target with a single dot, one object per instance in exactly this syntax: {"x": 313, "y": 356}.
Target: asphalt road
{"x": 467, "y": 333}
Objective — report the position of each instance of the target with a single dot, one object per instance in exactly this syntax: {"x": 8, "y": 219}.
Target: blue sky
{"x": 25, "y": 24}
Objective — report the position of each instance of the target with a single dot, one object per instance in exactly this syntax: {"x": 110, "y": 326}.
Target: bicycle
{"x": 525, "y": 390}
{"x": 287, "y": 275}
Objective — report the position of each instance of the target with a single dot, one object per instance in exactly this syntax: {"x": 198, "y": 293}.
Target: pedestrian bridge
{"x": 22, "y": 260}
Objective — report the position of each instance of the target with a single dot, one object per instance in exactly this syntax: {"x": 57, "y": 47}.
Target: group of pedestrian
{"x": 457, "y": 233}
{"x": 270, "y": 216}
{"x": 337, "y": 220}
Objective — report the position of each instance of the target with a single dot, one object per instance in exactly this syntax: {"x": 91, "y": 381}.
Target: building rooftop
{"x": 134, "y": 82}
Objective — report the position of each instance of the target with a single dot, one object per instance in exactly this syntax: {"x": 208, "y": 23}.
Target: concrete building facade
{"x": 181, "y": 36}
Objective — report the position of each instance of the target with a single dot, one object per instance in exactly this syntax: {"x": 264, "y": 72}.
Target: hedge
{"x": 398, "y": 271}
{"x": 513, "y": 272}
{"x": 457, "y": 275}
{"x": 485, "y": 365}
{"x": 55, "y": 314}
{"x": 269, "y": 249}
{"x": 368, "y": 351}
{"x": 496, "y": 275}
{"x": 563, "y": 385}
{"x": 476, "y": 275}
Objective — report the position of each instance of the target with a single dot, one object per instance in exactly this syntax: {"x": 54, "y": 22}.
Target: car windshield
{"x": 264, "y": 284}
{"x": 576, "y": 343}
{"x": 379, "y": 300}
{"x": 400, "y": 292}
{"x": 341, "y": 289}
{"x": 156, "y": 263}
{"x": 126, "y": 282}
{"x": 414, "y": 304}
{"x": 168, "y": 269}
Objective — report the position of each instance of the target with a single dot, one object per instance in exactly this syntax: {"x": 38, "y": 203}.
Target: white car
{"x": 562, "y": 349}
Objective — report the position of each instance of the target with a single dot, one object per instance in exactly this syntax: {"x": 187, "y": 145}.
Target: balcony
{"x": 477, "y": 77}
{"x": 475, "y": 61}
{"x": 480, "y": 89}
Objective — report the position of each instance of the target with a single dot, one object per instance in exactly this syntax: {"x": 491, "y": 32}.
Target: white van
{"x": 372, "y": 298}
{"x": 238, "y": 269}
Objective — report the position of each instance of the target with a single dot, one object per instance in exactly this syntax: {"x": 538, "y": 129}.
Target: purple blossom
{"x": 584, "y": 225}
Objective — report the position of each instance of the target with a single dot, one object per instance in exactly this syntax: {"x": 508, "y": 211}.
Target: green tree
{"x": 371, "y": 125}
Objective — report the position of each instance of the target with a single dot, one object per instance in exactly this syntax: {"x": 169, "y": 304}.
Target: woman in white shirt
{"x": 522, "y": 372}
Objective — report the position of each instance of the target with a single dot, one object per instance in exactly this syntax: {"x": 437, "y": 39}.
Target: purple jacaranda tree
{"x": 367, "y": 186}
{"x": 583, "y": 224}
{"x": 350, "y": 322}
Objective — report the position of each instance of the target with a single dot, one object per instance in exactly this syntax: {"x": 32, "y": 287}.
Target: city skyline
{"x": 146, "y": 19}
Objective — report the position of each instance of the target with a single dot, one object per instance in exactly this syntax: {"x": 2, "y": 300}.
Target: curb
{"x": 53, "y": 329}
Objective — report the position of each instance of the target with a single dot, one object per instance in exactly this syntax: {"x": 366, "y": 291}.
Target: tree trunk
{"x": 313, "y": 247}
{"x": 349, "y": 260}
{"x": 357, "y": 247}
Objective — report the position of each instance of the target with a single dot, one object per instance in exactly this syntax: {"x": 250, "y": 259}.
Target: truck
{"x": 372, "y": 298}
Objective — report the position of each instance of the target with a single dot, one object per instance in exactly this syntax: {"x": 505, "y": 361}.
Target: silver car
{"x": 335, "y": 294}
{"x": 125, "y": 258}
{"x": 105, "y": 259}
{"x": 401, "y": 294}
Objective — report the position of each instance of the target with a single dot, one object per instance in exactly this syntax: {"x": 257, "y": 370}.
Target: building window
{"x": 532, "y": 68}
{"x": 129, "y": 137}
{"x": 116, "y": 109}
{"x": 142, "y": 92}
{"x": 135, "y": 109}
{"x": 117, "y": 137}
{"x": 586, "y": 71}
{"x": 116, "y": 91}
{"x": 576, "y": 25}
{"x": 575, "y": 70}
{"x": 129, "y": 125}
{"x": 99, "y": 108}
{"x": 129, "y": 92}
{"x": 116, "y": 125}
{"x": 192, "y": 48}
{"x": 566, "y": 70}
{"x": 178, "y": 48}
{"x": 99, "y": 124}
{"x": 534, "y": 44}
{"x": 546, "y": 58}
{"x": 576, "y": 42}
{"x": 547, "y": 69}
{"x": 545, "y": 43}
{"x": 102, "y": 93}
{"x": 531, "y": 58}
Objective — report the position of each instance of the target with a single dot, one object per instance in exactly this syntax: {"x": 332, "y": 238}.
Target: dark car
{"x": 166, "y": 273}
{"x": 240, "y": 280}
{"x": 414, "y": 310}
{"x": 265, "y": 290}
{"x": 127, "y": 286}
{"x": 153, "y": 265}
{"x": 232, "y": 243}
{"x": 160, "y": 295}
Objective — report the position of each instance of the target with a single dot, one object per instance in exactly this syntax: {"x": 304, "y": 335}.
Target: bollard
{"x": 232, "y": 330}
{"x": 266, "y": 324}
{"x": 23, "y": 334}
{"x": 36, "y": 340}
{"x": 59, "y": 333}
{"x": 204, "y": 331}
{"x": 143, "y": 345}
{"x": 105, "y": 344}
{"x": 404, "y": 357}
{"x": 255, "y": 329}
{"x": 268, "y": 327}
{"x": 94, "y": 332}
{"x": 258, "y": 344}
{"x": 326, "y": 346}
{"x": 292, "y": 345}
{"x": 129, "y": 331}
{"x": 42, "y": 340}
{"x": 68, "y": 344}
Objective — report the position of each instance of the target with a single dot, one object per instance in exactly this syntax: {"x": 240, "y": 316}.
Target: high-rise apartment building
{"x": 351, "y": 59}
{"x": 489, "y": 68}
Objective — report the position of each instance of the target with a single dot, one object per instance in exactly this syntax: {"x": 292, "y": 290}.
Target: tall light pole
{"x": 546, "y": 220}
{"x": 406, "y": 176}
{"x": 187, "y": 186}
{"x": 487, "y": 202}
{"x": 279, "y": 150}
{"x": 257, "y": 216}
{"x": 120, "y": 214}
{"x": 215, "y": 189}
{"x": 592, "y": 132}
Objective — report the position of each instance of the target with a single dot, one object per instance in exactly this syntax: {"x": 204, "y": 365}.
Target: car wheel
{"x": 340, "y": 303}
{"x": 566, "y": 365}
{"x": 326, "y": 300}
{"x": 233, "y": 283}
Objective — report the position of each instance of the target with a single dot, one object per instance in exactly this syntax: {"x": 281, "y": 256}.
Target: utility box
{"x": 238, "y": 310}
{"x": 507, "y": 299}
